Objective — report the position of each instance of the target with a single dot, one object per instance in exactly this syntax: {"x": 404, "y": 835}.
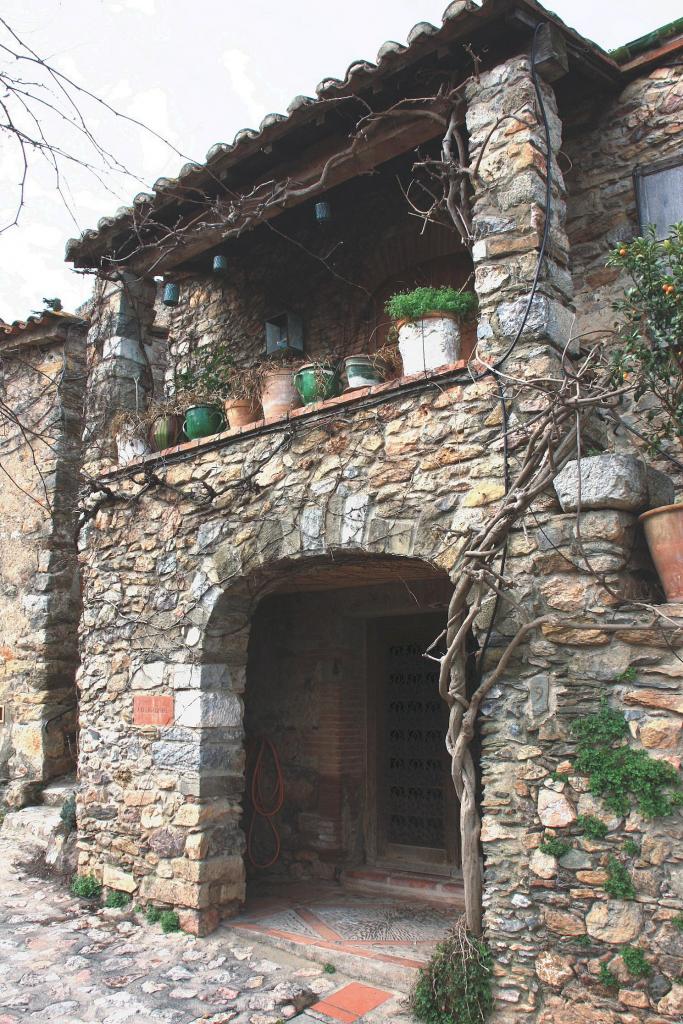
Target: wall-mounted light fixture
{"x": 171, "y": 294}
{"x": 323, "y": 212}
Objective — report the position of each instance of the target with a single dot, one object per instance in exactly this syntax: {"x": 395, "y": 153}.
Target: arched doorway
{"x": 344, "y": 724}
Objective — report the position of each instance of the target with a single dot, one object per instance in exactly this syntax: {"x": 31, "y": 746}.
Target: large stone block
{"x": 614, "y": 921}
{"x": 199, "y": 709}
{"x": 114, "y": 878}
{"x": 612, "y": 482}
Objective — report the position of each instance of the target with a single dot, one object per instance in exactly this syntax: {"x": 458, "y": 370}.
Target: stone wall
{"x": 642, "y": 125}
{"x": 173, "y": 577}
{"x": 43, "y": 384}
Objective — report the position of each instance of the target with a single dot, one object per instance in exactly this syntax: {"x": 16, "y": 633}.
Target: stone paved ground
{"x": 64, "y": 962}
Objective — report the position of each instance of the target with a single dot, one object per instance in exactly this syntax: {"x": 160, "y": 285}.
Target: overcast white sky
{"x": 197, "y": 72}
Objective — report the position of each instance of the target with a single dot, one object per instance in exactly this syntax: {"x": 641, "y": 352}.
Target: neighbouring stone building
{"x": 282, "y": 580}
{"x": 43, "y": 375}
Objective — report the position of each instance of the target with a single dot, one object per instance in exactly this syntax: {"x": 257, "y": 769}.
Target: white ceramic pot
{"x": 428, "y": 343}
{"x": 131, "y": 449}
{"x": 362, "y": 372}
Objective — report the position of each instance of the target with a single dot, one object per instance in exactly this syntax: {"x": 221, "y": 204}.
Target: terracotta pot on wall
{"x": 278, "y": 395}
{"x": 664, "y": 534}
{"x": 241, "y": 411}
{"x": 428, "y": 343}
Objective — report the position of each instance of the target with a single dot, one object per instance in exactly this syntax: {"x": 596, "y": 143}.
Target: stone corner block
{"x": 607, "y": 482}
{"x": 199, "y": 677}
{"x": 205, "y": 709}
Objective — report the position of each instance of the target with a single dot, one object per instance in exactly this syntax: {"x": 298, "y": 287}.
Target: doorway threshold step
{"x": 411, "y": 885}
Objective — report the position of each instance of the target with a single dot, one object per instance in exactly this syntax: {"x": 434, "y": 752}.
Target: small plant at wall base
{"x": 86, "y": 886}
{"x": 68, "y": 814}
{"x": 117, "y": 899}
{"x": 455, "y": 986}
{"x": 677, "y": 922}
{"x": 617, "y": 772}
{"x": 169, "y": 921}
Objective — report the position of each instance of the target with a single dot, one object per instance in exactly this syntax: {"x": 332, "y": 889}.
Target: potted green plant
{"x": 203, "y": 385}
{"x": 316, "y": 381}
{"x": 650, "y": 327}
{"x": 428, "y": 323}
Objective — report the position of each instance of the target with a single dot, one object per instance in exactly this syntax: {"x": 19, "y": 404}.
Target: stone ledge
{"x": 390, "y": 389}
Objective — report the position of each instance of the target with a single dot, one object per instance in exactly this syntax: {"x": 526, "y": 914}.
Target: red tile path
{"x": 351, "y": 1002}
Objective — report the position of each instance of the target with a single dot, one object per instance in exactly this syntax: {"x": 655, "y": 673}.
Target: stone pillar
{"x": 509, "y": 216}
{"x": 120, "y": 375}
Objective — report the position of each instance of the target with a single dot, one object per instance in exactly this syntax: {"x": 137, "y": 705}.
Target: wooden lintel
{"x": 401, "y": 137}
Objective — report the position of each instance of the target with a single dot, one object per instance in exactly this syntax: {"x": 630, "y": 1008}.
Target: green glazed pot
{"x": 203, "y": 420}
{"x": 315, "y": 383}
{"x": 166, "y": 432}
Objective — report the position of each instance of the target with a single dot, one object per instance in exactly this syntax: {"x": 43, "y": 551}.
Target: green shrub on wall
{"x": 620, "y": 774}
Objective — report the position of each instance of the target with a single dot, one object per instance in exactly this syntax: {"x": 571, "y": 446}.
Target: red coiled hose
{"x": 265, "y": 806}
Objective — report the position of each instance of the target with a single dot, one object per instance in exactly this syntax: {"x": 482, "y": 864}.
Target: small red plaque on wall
{"x": 149, "y": 710}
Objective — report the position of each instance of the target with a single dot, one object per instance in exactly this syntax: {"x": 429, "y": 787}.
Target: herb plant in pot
{"x": 317, "y": 381}
{"x": 651, "y": 357}
{"x": 428, "y": 323}
{"x": 203, "y": 385}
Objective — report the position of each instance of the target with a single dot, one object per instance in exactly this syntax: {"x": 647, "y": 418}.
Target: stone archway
{"x": 213, "y": 707}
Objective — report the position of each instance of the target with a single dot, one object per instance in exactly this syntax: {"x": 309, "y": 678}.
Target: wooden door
{"x": 415, "y": 807}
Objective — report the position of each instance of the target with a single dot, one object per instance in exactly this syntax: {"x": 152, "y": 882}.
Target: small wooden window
{"x": 2, "y": 714}
{"x": 659, "y": 194}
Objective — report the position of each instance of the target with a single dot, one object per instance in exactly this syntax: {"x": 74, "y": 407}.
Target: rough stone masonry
{"x": 390, "y": 482}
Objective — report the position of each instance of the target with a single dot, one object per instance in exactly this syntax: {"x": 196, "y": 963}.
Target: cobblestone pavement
{"x": 64, "y": 962}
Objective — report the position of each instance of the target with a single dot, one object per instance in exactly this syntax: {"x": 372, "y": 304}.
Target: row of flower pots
{"x": 427, "y": 331}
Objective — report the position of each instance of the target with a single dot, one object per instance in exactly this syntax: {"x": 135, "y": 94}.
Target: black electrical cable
{"x": 503, "y": 560}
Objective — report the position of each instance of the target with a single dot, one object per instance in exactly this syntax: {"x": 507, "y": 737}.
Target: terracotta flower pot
{"x": 241, "y": 412}
{"x": 664, "y": 534}
{"x": 278, "y": 395}
{"x": 429, "y": 342}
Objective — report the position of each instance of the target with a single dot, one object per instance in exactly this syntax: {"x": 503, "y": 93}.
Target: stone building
{"x": 42, "y": 385}
{"x": 282, "y": 580}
